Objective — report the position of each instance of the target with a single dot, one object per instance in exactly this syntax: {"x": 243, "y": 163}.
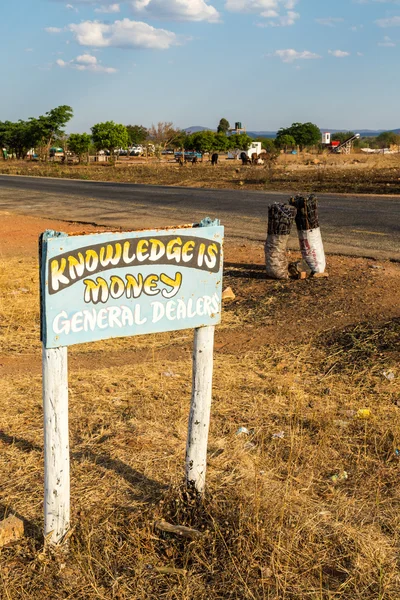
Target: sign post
{"x": 105, "y": 285}
{"x": 200, "y": 409}
{"x": 56, "y": 445}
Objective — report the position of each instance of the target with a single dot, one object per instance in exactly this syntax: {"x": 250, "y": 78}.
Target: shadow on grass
{"x": 244, "y": 271}
{"x": 149, "y": 488}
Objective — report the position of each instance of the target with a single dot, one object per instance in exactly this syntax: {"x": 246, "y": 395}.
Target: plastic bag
{"x": 280, "y": 221}
{"x": 312, "y": 249}
{"x": 276, "y": 262}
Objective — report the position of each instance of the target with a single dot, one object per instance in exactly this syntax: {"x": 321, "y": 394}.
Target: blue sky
{"x": 266, "y": 63}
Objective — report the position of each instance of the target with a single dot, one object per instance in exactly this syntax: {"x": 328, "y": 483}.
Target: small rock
{"x": 375, "y": 267}
{"x": 303, "y": 275}
{"x": 389, "y": 375}
{"x": 296, "y": 269}
{"x": 319, "y": 275}
{"x": 228, "y": 294}
{"x": 11, "y": 530}
{"x": 280, "y": 435}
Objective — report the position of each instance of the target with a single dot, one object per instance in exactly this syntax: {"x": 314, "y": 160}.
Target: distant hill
{"x": 196, "y": 128}
{"x": 272, "y": 134}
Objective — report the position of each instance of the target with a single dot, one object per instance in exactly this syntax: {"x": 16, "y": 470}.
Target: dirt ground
{"x": 356, "y": 173}
{"x": 295, "y": 361}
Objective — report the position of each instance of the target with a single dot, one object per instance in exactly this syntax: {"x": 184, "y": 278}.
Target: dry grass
{"x": 275, "y": 525}
{"x": 355, "y": 173}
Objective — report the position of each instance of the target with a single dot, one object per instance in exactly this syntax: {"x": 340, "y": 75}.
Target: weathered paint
{"x": 199, "y": 419}
{"x": 56, "y": 445}
{"x": 106, "y": 285}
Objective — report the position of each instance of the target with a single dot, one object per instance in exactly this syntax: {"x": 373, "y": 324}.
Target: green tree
{"x": 304, "y": 134}
{"x": 285, "y": 141}
{"x": 110, "y": 136}
{"x": 221, "y": 142}
{"x": 182, "y": 140}
{"x": 5, "y": 130}
{"x": 79, "y": 144}
{"x": 267, "y": 144}
{"x": 223, "y": 126}
{"x": 137, "y": 134}
{"x": 239, "y": 141}
{"x": 50, "y": 126}
{"x": 203, "y": 141}
{"x": 387, "y": 139}
{"x": 21, "y": 138}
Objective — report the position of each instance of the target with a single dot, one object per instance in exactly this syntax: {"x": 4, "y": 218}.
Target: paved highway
{"x": 351, "y": 224}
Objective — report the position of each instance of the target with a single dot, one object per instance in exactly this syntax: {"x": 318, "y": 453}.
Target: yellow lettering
{"x": 110, "y": 254}
{"x": 175, "y": 284}
{"x": 211, "y": 259}
{"x": 57, "y": 274}
{"x": 200, "y": 257}
{"x": 96, "y": 291}
{"x": 134, "y": 286}
{"x": 173, "y": 249}
{"x": 126, "y": 258}
{"x": 187, "y": 253}
{"x": 76, "y": 267}
{"x": 91, "y": 260}
{"x": 157, "y": 249}
{"x": 150, "y": 285}
{"x": 117, "y": 286}
{"x": 142, "y": 250}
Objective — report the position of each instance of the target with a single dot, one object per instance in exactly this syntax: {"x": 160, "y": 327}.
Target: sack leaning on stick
{"x": 280, "y": 221}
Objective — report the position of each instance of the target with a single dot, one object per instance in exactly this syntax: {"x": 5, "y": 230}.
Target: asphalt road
{"x": 351, "y": 224}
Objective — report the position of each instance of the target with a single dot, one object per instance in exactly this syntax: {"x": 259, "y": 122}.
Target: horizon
{"x": 268, "y": 63}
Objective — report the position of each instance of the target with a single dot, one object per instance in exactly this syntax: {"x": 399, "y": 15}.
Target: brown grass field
{"x": 356, "y": 173}
{"x": 300, "y": 357}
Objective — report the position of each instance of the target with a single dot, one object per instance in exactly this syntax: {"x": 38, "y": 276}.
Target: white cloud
{"x": 71, "y": 7}
{"x": 268, "y": 9}
{"x": 387, "y": 42}
{"x": 53, "y": 29}
{"x": 360, "y": 54}
{"x": 329, "y": 21}
{"x": 122, "y": 34}
{"x": 338, "y": 53}
{"x": 108, "y": 9}
{"x": 178, "y": 10}
{"x": 291, "y": 55}
{"x": 28, "y": 49}
{"x": 85, "y": 62}
{"x": 356, "y": 27}
{"x": 389, "y": 22}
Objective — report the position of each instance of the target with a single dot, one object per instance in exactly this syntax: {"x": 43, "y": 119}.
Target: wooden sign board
{"x": 105, "y": 285}
{"x": 108, "y": 285}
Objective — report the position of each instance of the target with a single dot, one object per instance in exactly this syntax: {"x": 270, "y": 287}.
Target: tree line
{"x": 41, "y": 133}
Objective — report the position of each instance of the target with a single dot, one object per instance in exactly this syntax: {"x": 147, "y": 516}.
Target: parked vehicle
{"x": 189, "y": 156}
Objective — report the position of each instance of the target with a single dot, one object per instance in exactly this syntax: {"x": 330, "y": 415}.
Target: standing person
{"x": 214, "y": 159}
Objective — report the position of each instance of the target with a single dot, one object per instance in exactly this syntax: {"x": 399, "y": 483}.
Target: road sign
{"x": 105, "y": 285}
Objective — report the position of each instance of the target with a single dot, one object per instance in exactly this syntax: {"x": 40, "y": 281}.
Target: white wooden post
{"x": 199, "y": 419}
{"x": 56, "y": 445}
